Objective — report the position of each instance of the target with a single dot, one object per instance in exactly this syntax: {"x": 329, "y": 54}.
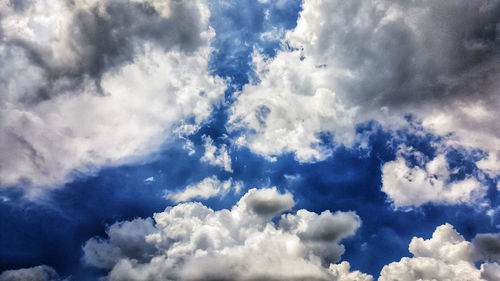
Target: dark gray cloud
{"x": 266, "y": 203}
{"x": 402, "y": 52}
{"x": 487, "y": 246}
{"x": 104, "y": 34}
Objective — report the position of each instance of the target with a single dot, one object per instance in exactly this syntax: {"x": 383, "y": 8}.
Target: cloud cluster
{"x": 207, "y": 188}
{"x": 351, "y": 61}
{"x": 446, "y": 256}
{"x": 91, "y": 83}
{"x": 413, "y": 186}
{"x": 193, "y": 242}
{"x": 37, "y": 273}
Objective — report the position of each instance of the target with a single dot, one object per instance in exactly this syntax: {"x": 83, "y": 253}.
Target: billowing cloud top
{"x": 94, "y": 83}
{"x": 193, "y": 242}
{"x": 446, "y": 256}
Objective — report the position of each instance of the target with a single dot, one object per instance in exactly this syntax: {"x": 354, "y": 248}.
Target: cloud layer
{"x": 193, "y": 242}
{"x": 95, "y": 83}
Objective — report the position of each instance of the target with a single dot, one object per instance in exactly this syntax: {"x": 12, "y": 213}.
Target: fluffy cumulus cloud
{"x": 342, "y": 272}
{"x": 217, "y": 156}
{"x": 207, "y": 188}
{"x": 446, "y": 256}
{"x": 37, "y": 273}
{"x": 351, "y": 61}
{"x": 90, "y": 83}
{"x": 413, "y": 186}
{"x": 193, "y": 242}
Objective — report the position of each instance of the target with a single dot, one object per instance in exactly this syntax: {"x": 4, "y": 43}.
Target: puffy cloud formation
{"x": 90, "y": 83}
{"x": 208, "y": 187}
{"x": 351, "y": 61}
{"x": 193, "y": 242}
{"x": 413, "y": 186}
{"x": 37, "y": 273}
{"x": 342, "y": 272}
{"x": 216, "y": 156}
{"x": 446, "y": 256}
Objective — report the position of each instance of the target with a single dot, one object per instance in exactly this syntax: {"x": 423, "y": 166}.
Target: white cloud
{"x": 192, "y": 242}
{"x": 207, "y": 188}
{"x": 286, "y": 110}
{"x": 352, "y": 61}
{"x": 37, "y": 273}
{"x": 75, "y": 101}
{"x": 413, "y": 186}
{"x": 216, "y": 156}
{"x": 342, "y": 272}
{"x": 446, "y": 256}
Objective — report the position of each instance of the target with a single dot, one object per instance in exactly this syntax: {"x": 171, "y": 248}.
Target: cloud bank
{"x": 96, "y": 83}
{"x": 347, "y": 62}
{"x": 193, "y": 242}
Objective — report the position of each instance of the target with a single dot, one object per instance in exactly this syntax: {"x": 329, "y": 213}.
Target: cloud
{"x": 347, "y": 62}
{"x": 414, "y": 186}
{"x": 446, "y": 256}
{"x": 207, "y": 188}
{"x": 487, "y": 247}
{"x": 99, "y": 83}
{"x": 37, "y": 273}
{"x": 342, "y": 272}
{"x": 216, "y": 156}
{"x": 193, "y": 242}
{"x": 490, "y": 271}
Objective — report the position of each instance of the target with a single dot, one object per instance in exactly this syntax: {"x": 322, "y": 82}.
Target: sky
{"x": 249, "y": 140}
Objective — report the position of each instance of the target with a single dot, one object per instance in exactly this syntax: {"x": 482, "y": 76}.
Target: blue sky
{"x": 381, "y": 114}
